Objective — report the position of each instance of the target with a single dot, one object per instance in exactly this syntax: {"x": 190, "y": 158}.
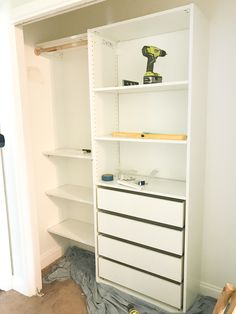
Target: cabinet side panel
{"x": 104, "y": 61}
{"x": 39, "y": 130}
{"x": 196, "y": 153}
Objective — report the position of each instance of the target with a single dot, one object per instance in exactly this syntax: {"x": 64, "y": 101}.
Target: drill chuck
{"x": 162, "y": 53}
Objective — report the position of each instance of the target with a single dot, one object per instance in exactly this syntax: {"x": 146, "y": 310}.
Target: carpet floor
{"x": 59, "y": 298}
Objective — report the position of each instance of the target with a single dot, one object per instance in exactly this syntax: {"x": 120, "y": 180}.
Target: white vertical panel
{"x": 195, "y": 153}
{"x": 5, "y": 260}
{"x": 23, "y": 220}
{"x": 6, "y": 122}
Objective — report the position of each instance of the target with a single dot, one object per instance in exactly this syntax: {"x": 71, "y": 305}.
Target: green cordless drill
{"x": 152, "y": 53}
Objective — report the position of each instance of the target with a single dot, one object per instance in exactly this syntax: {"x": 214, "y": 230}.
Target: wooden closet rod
{"x": 79, "y": 43}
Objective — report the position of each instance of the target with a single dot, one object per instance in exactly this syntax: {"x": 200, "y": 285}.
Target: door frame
{"x": 5, "y": 260}
{"x": 23, "y": 225}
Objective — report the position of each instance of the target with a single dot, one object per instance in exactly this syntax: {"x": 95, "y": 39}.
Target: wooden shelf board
{"x": 138, "y": 140}
{"x": 144, "y": 88}
{"x": 74, "y": 230}
{"x": 73, "y": 193}
{"x": 70, "y": 153}
{"x": 161, "y": 187}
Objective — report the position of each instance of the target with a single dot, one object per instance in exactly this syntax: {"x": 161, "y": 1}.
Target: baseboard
{"x": 210, "y": 290}
{"x": 51, "y": 255}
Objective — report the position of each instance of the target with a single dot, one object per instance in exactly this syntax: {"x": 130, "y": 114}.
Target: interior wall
{"x": 218, "y": 253}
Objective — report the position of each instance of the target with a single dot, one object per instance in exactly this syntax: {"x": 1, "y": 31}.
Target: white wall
{"x": 219, "y": 249}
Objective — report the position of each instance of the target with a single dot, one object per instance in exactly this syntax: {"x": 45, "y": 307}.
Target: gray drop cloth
{"x": 79, "y": 265}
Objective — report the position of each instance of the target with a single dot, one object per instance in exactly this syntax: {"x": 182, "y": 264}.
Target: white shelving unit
{"x": 78, "y": 97}
{"x": 175, "y": 106}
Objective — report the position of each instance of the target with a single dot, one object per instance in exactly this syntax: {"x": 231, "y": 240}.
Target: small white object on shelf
{"x": 131, "y": 185}
{"x": 73, "y": 193}
{"x": 74, "y": 230}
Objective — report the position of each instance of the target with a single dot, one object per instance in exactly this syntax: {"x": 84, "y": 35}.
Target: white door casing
{"x": 5, "y": 260}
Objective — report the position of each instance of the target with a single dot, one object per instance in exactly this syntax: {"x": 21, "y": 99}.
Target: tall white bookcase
{"x": 147, "y": 241}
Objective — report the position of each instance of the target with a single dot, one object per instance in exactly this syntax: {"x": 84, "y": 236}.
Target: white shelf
{"x": 70, "y": 153}
{"x": 111, "y": 138}
{"x": 168, "y": 21}
{"x": 73, "y": 193}
{"x": 144, "y": 88}
{"x": 74, "y": 230}
{"x": 161, "y": 187}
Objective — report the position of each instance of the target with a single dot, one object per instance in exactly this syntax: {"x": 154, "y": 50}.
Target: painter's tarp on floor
{"x": 79, "y": 265}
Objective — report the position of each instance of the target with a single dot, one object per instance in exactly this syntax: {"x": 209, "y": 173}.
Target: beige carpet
{"x": 64, "y": 297}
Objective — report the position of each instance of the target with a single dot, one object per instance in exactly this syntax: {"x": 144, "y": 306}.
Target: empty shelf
{"x": 73, "y": 193}
{"x": 74, "y": 230}
{"x": 70, "y": 153}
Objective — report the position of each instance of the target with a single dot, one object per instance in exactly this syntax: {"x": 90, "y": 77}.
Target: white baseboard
{"x": 51, "y": 255}
{"x": 210, "y": 290}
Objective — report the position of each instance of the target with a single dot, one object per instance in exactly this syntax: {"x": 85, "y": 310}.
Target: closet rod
{"x": 79, "y": 43}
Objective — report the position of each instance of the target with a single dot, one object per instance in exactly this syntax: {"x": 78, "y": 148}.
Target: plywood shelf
{"x": 75, "y": 230}
{"x": 73, "y": 193}
{"x": 160, "y": 187}
{"x": 142, "y": 88}
{"x": 69, "y": 153}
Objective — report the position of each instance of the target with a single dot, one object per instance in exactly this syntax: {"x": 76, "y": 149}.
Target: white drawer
{"x": 145, "y": 207}
{"x": 158, "y": 237}
{"x": 151, "y": 286}
{"x": 142, "y": 258}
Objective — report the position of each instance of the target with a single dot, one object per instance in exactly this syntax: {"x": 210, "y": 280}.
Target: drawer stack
{"x": 141, "y": 243}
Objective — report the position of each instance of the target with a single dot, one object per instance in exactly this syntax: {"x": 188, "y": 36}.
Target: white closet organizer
{"x": 60, "y": 122}
{"x": 148, "y": 241}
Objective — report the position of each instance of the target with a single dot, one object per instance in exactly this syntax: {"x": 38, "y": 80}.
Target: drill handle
{"x": 150, "y": 63}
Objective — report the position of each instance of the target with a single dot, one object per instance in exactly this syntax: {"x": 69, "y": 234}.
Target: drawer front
{"x": 142, "y": 258}
{"x": 145, "y": 207}
{"x": 158, "y": 237}
{"x": 151, "y": 286}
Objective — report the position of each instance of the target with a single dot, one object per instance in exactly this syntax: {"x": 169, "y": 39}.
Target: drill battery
{"x": 151, "y": 77}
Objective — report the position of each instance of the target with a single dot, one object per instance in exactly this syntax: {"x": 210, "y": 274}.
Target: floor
{"x": 60, "y": 297}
